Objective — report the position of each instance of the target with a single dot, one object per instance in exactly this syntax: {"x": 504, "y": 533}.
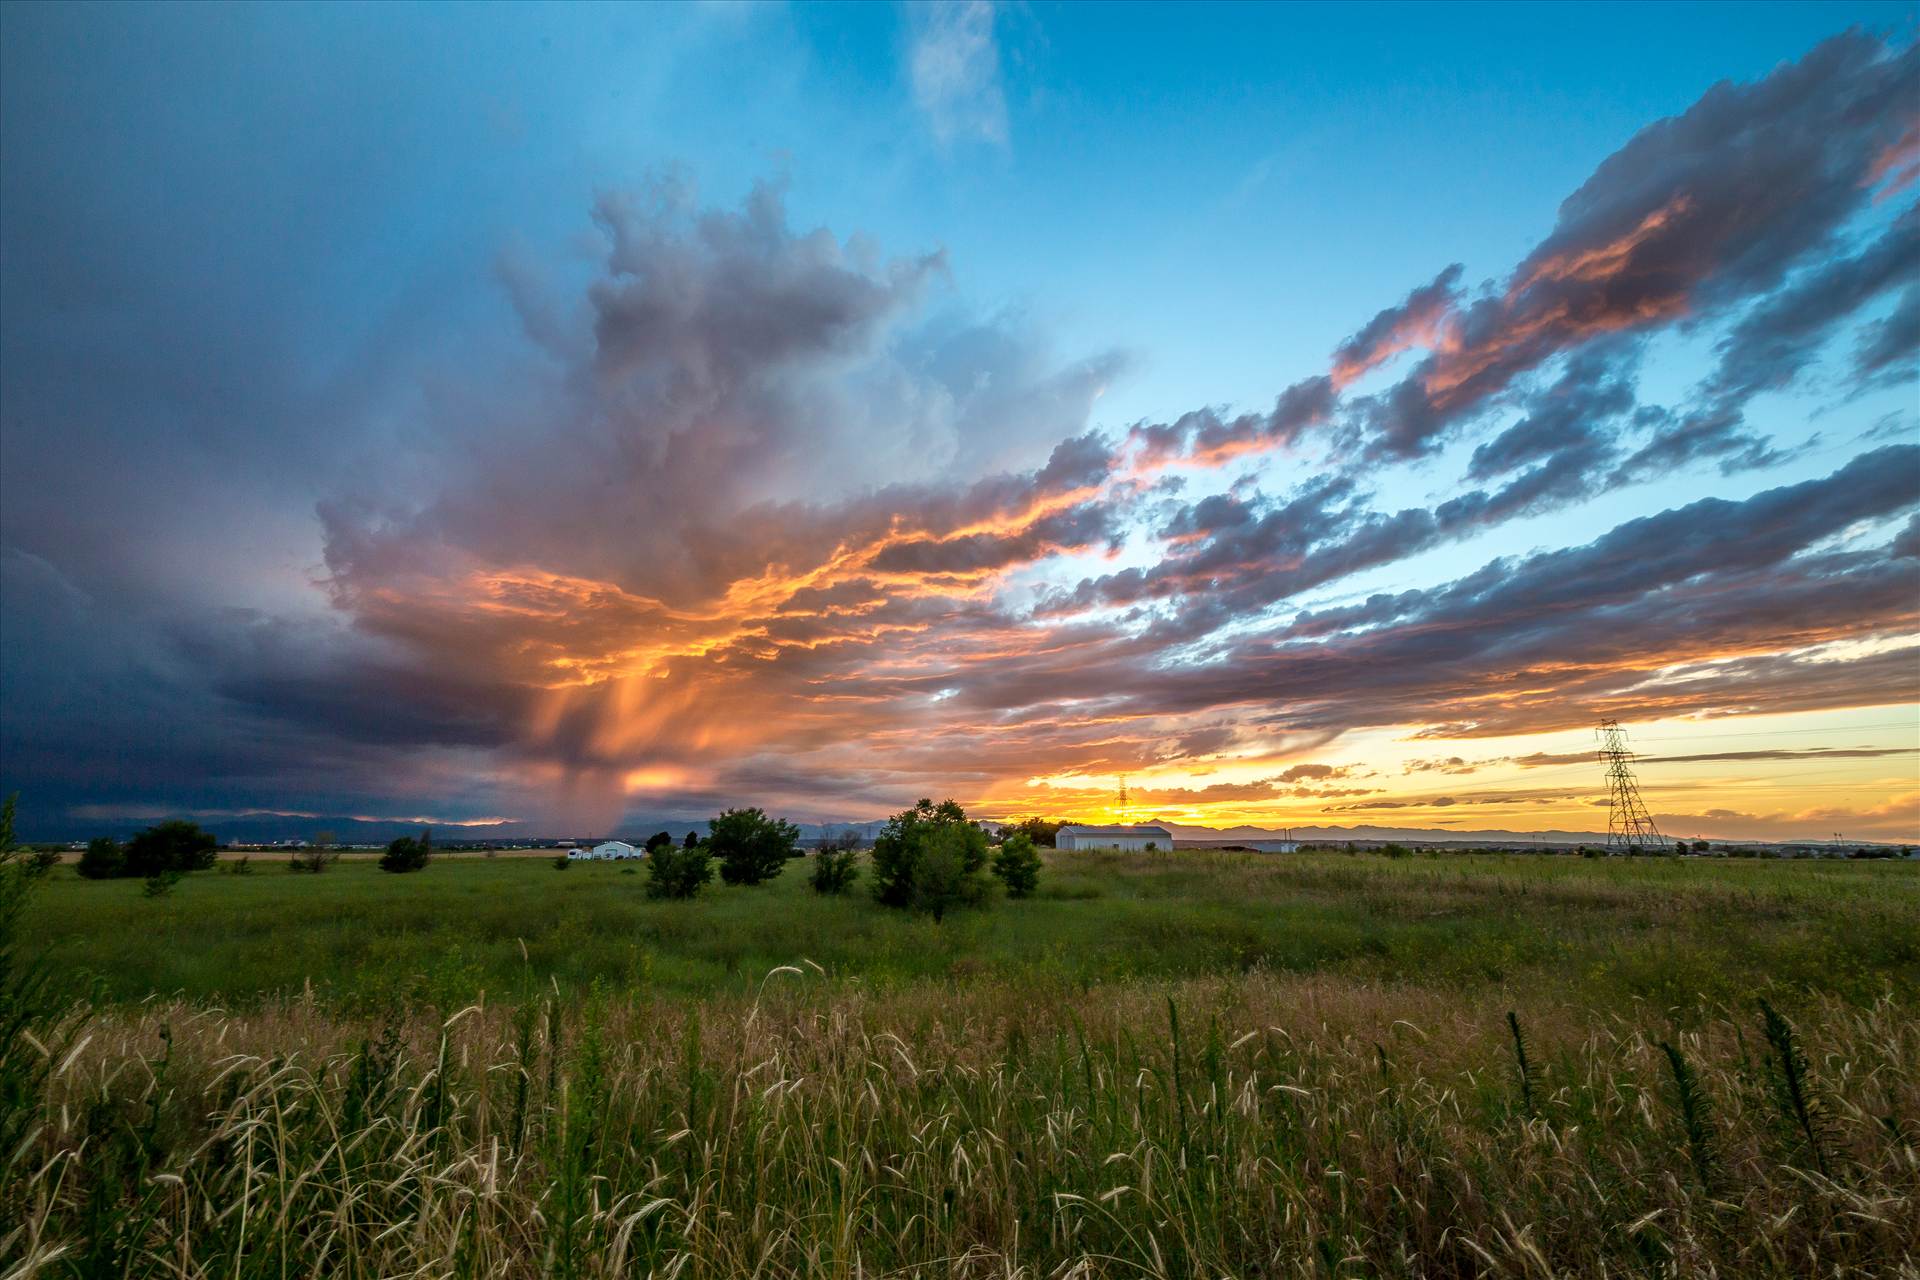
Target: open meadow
{"x": 1603, "y": 932}
{"x": 1195, "y": 1064}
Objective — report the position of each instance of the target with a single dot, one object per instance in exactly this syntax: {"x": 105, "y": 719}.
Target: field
{"x": 1197, "y": 1064}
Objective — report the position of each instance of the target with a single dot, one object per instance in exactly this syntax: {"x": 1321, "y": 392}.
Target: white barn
{"x": 609, "y": 850}
{"x": 1129, "y": 839}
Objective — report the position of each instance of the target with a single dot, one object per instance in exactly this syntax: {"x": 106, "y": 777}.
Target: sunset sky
{"x": 573, "y": 416}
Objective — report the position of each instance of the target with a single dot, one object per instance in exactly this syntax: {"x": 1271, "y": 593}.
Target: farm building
{"x": 1132, "y": 839}
{"x": 609, "y": 850}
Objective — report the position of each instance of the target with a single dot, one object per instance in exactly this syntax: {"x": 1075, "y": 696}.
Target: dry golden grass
{"x": 1252, "y": 1125}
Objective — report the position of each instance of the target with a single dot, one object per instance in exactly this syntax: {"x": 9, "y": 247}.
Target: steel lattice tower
{"x": 1629, "y": 826}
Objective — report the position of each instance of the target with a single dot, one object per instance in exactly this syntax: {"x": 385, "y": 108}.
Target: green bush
{"x": 1042, "y": 831}
{"x": 835, "y": 867}
{"x": 930, "y": 858}
{"x": 177, "y": 845}
{"x": 408, "y": 854}
{"x": 103, "y": 860}
{"x": 1017, "y": 864}
{"x": 161, "y": 883}
{"x": 752, "y": 847}
{"x": 679, "y": 873}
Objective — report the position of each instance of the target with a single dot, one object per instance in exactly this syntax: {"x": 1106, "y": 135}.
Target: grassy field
{"x": 1672, "y": 932}
{"x": 1199, "y": 1066}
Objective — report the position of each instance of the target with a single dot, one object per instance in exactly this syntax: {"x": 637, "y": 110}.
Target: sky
{"x": 553, "y": 419}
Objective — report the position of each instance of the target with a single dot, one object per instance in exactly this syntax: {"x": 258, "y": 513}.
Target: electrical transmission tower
{"x": 1629, "y": 827}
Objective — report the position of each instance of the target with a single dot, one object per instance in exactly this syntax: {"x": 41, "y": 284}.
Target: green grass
{"x": 1199, "y": 1065}
{"x": 1670, "y": 932}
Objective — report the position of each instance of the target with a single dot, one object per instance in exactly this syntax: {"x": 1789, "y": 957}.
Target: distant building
{"x": 607, "y": 851}
{"x": 1127, "y": 839}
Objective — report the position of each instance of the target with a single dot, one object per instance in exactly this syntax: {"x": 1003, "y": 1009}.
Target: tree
{"x": 679, "y": 873}
{"x": 177, "y": 845}
{"x": 408, "y": 854}
{"x": 837, "y": 865}
{"x": 1042, "y": 831}
{"x": 930, "y": 858}
{"x": 314, "y": 859}
{"x": 1017, "y": 864}
{"x": 658, "y": 840}
{"x": 752, "y": 847}
{"x": 693, "y": 838}
{"x": 103, "y": 860}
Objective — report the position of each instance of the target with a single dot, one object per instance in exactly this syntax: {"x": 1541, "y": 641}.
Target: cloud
{"x": 1695, "y": 214}
{"x": 1539, "y": 758}
{"x": 729, "y": 510}
{"x": 955, "y": 67}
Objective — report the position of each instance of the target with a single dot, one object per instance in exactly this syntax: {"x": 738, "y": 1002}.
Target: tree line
{"x": 930, "y": 858}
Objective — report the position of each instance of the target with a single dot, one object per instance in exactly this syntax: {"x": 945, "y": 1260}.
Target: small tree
{"x": 679, "y": 873}
{"x": 1017, "y": 864}
{"x": 408, "y": 854}
{"x": 752, "y": 847}
{"x": 177, "y": 845}
{"x": 103, "y": 860}
{"x": 314, "y": 860}
{"x": 837, "y": 865}
{"x": 1042, "y": 831}
{"x": 161, "y": 883}
{"x": 930, "y": 858}
{"x": 693, "y": 838}
{"x": 658, "y": 840}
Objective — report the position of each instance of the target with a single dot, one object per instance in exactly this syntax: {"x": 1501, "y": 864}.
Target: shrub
{"x": 314, "y": 860}
{"x": 1017, "y": 864}
{"x": 752, "y": 847}
{"x": 837, "y": 865}
{"x": 103, "y": 860}
{"x": 170, "y": 846}
{"x": 240, "y": 866}
{"x": 930, "y": 858}
{"x": 42, "y": 861}
{"x": 562, "y": 862}
{"x": 408, "y": 854}
{"x": 161, "y": 883}
{"x": 1394, "y": 851}
{"x": 1042, "y": 831}
{"x": 679, "y": 873}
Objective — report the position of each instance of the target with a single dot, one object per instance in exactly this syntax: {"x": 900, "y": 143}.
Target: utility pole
{"x": 1629, "y": 826}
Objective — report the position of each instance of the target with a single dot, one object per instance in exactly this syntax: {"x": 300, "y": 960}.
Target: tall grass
{"x": 1320, "y": 1126}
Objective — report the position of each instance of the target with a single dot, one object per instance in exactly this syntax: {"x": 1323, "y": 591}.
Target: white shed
{"x": 1130, "y": 839}
{"x": 608, "y": 850}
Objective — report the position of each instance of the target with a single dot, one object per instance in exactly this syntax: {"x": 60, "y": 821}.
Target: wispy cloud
{"x": 955, "y": 65}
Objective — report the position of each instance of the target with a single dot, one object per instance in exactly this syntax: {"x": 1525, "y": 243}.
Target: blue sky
{"x": 284, "y": 283}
